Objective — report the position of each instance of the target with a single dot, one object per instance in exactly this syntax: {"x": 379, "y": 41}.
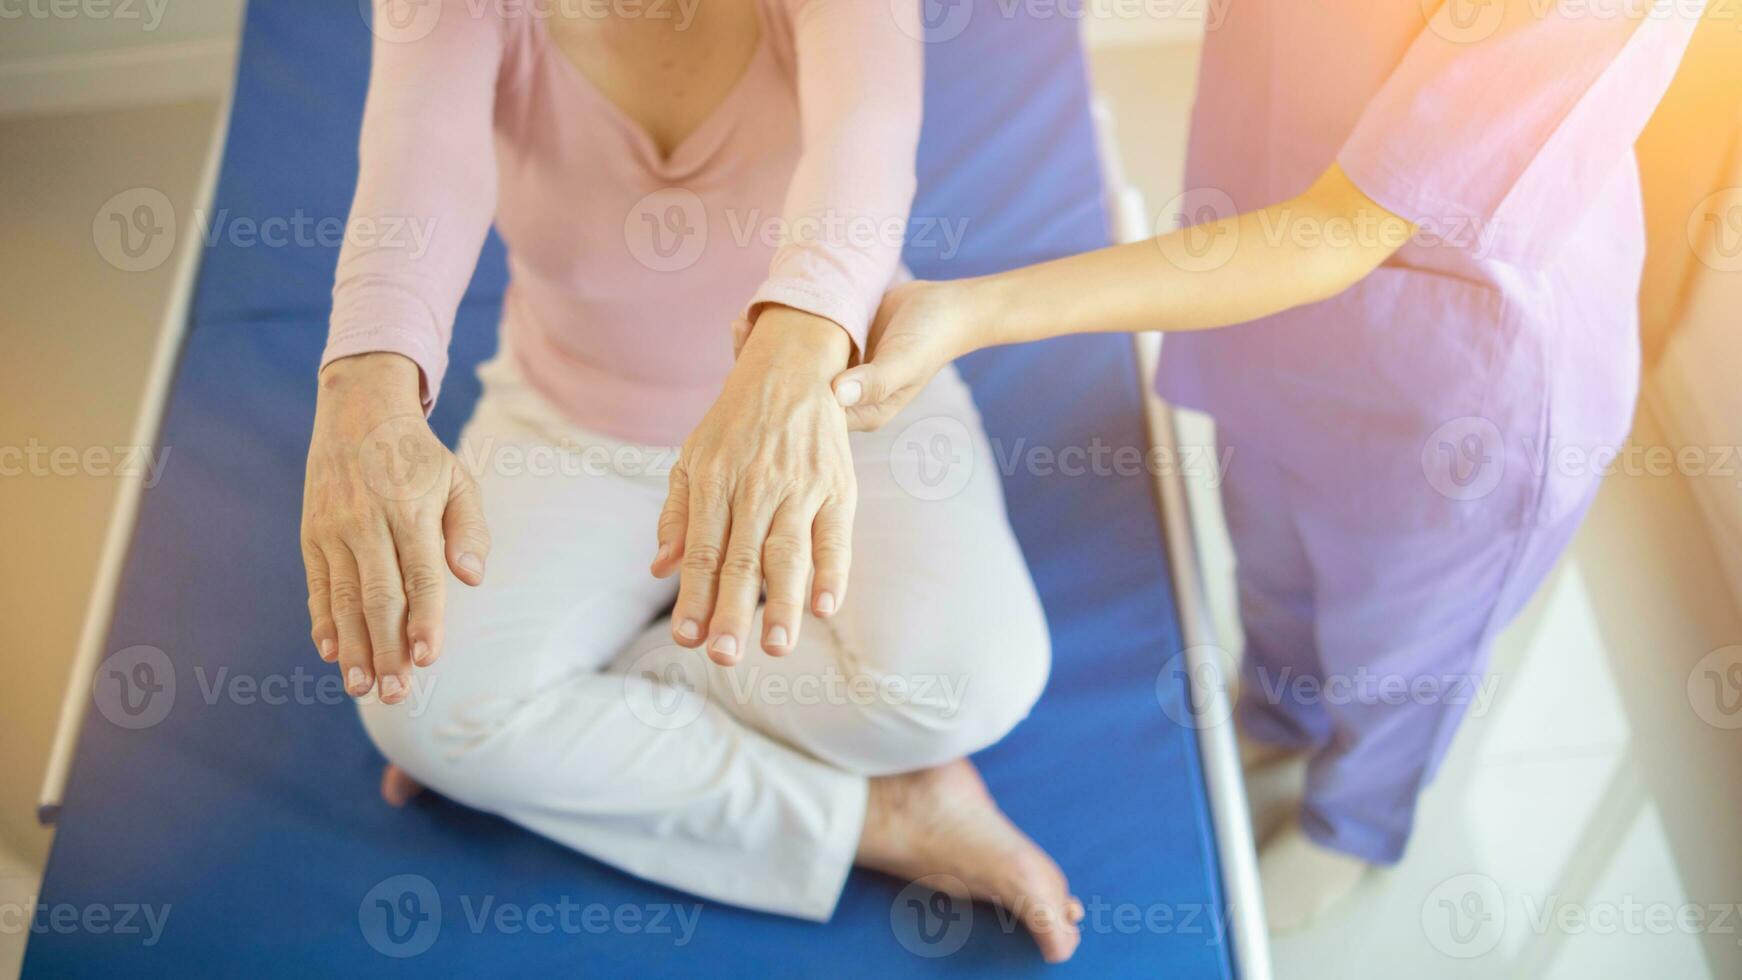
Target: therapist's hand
{"x": 920, "y": 327}
{"x": 386, "y": 511}
{"x": 763, "y": 492}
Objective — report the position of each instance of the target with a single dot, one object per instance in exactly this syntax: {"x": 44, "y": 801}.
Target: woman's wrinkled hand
{"x": 920, "y": 327}
{"x": 387, "y": 511}
{"x": 763, "y": 492}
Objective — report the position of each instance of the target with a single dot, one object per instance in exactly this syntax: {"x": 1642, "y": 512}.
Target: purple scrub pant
{"x": 1367, "y": 648}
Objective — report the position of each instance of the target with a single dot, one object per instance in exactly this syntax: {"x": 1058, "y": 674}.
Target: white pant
{"x": 560, "y": 703}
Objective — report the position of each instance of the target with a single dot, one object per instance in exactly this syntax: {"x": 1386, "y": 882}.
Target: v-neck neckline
{"x": 691, "y": 150}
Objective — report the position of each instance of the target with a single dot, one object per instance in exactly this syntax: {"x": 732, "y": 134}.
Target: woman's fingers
{"x": 709, "y": 510}
{"x": 674, "y": 518}
{"x": 832, "y": 551}
{"x": 467, "y": 536}
{"x": 384, "y": 613}
{"x": 786, "y": 565}
{"x": 423, "y": 572}
{"x": 740, "y": 580}
{"x": 345, "y": 595}
{"x": 320, "y": 609}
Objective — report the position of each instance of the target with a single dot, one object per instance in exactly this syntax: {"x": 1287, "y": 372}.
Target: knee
{"x": 962, "y": 688}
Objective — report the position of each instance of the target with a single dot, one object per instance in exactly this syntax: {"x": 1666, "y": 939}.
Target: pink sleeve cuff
{"x": 383, "y": 318}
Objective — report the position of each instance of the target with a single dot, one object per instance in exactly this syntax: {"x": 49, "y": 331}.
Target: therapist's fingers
{"x": 786, "y": 566}
{"x": 674, "y": 518}
{"x": 873, "y": 393}
{"x": 832, "y": 552}
{"x": 384, "y": 612}
{"x": 320, "y": 610}
{"x": 740, "y": 583}
{"x": 709, "y": 510}
{"x": 466, "y": 535}
{"x": 423, "y": 573}
{"x": 345, "y": 595}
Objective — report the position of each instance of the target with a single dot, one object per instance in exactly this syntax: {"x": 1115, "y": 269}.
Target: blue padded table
{"x": 240, "y": 798}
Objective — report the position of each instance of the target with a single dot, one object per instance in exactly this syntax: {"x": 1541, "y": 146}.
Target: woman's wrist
{"x": 383, "y": 378}
{"x": 802, "y": 342}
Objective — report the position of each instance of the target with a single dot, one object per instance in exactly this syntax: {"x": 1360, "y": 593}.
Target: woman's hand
{"x": 763, "y": 491}
{"x": 920, "y": 327}
{"x": 385, "y": 507}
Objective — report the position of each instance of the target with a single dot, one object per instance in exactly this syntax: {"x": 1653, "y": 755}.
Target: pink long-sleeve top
{"x": 627, "y": 268}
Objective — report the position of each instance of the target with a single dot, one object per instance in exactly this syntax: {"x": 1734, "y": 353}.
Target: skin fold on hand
{"x": 763, "y": 492}
{"x": 387, "y": 512}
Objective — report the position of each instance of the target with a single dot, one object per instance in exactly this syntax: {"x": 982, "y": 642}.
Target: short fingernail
{"x": 688, "y": 629}
{"x": 390, "y": 687}
{"x": 420, "y": 653}
{"x": 849, "y": 393}
{"x": 726, "y": 645}
{"x": 777, "y": 636}
{"x": 356, "y": 681}
{"x": 472, "y": 563}
{"x": 826, "y": 603}
{"x": 664, "y": 550}
{"x": 328, "y": 651}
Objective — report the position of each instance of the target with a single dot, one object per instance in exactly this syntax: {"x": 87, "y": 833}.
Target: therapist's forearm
{"x": 1230, "y": 271}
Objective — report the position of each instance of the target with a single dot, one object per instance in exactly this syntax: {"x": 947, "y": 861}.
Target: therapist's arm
{"x": 1228, "y": 271}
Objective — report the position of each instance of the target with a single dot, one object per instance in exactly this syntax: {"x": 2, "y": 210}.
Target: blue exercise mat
{"x": 223, "y": 783}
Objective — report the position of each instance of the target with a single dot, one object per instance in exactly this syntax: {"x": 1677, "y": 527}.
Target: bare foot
{"x": 942, "y": 822}
{"x": 397, "y": 786}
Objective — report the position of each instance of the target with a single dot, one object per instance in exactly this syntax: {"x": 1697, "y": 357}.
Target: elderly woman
{"x": 665, "y": 187}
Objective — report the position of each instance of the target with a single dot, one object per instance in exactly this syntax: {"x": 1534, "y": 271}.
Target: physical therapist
{"x": 1427, "y": 221}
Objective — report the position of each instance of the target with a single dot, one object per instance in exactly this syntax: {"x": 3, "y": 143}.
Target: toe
{"x": 397, "y": 786}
